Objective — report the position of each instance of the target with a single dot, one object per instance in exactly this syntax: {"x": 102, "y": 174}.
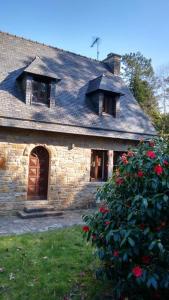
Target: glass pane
{"x": 35, "y": 85}
{"x": 99, "y": 160}
{"x": 40, "y": 92}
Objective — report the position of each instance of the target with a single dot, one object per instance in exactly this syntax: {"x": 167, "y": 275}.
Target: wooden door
{"x": 38, "y": 174}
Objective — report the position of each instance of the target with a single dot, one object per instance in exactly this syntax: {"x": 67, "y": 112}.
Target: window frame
{"x": 109, "y": 105}
{"x": 40, "y": 80}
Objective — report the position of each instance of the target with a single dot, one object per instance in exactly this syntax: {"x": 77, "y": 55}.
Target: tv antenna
{"x": 96, "y": 41}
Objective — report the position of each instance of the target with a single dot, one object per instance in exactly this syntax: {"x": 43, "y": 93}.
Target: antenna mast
{"x": 97, "y": 42}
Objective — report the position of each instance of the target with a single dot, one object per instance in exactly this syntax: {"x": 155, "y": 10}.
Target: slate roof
{"x": 73, "y": 113}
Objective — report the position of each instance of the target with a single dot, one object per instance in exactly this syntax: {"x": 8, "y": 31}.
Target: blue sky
{"x": 123, "y": 26}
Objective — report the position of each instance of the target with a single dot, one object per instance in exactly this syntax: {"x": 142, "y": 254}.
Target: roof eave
{"x": 54, "y": 78}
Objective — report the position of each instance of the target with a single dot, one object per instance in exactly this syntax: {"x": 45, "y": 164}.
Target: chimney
{"x": 113, "y": 61}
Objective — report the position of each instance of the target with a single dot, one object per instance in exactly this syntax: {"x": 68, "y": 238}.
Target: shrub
{"x": 131, "y": 230}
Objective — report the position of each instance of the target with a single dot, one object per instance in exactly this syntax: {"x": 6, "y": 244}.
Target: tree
{"x": 163, "y": 124}
{"x": 130, "y": 230}
{"x": 135, "y": 64}
{"x": 139, "y": 75}
{"x": 163, "y": 98}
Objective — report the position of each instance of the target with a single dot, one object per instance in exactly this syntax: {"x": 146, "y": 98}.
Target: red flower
{"x": 163, "y": 224}
{"x": 142, "y": 226}
{"x": 158, "y": 228}
{"x": 103, "y": 210}
{"x": 158, "y": 169}
{"x": 107, "y": 222}
{"x": 119, "y": 181}
{"x": 151, "y": 144}
{"x": 151, "y": 154}
{"x": 137, "y": 271}
{"x": 94, "y": 236}
{"x": 130, "y": 153}
{"x": 124, "y": 158}
{"x": 128, "y": 175}
{"x": 116, "y": 253}
{"x": 165, "y": 162}
{"x": 156, "y": 295}
{"x": 140, "y": 173}
{"x": 85, "y": 228}
{"x": 145, "y": 259}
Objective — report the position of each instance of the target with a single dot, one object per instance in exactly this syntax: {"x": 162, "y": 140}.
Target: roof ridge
{"x": 54, "y": 47}
{"x": 104, "y": 74}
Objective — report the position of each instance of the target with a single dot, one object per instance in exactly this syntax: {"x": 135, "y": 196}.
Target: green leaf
{"x": 116, "y": 237}
{"x": 152, "y": 282}
{"x": 163, "y": 182}
{"x": 153, "y": 243}
{"x": 160, "y": 246}
{"x": 125, "y": 238}
{"x": 101, "y": 254}
{"x": 109, "y": 235}
{"x": 145, "y": 202}
{"x": 159, "y": 206}
{"x": 147, "y": 230}
{"x": 125, "y": 257}
{"x": 131, "y": 242}
{"x": 165, "y": 197}
{"x": 130, "y": 275}
{"x": 129, "y": 216}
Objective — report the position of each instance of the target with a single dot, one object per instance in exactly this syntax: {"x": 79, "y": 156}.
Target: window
{"x": 109, "y": 105}
{"x": 40, "y": 92}
{"x": 99, "y": 165}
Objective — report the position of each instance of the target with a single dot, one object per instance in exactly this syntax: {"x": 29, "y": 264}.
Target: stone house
{"x": 64, "y": 120}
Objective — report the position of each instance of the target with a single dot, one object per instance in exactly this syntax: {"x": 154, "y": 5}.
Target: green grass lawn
{"x": 48, "y": 266}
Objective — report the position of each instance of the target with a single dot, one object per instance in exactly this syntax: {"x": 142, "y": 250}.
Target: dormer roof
{"x": 38, "y": 67}
{"x": 104, "y": 83}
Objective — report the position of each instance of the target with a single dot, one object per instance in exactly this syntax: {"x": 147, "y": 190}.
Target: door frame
{"x": 49, "y": 168}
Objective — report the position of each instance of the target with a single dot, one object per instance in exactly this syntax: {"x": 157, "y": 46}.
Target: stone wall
{"x": 69, "y": 183}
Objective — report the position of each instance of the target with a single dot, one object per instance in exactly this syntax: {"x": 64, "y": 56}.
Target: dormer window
{"x": 104, "y": 94}
{"x": 38, "y": 83}
{"x": 109, "y": 105}
{"x": 40, "y": 92}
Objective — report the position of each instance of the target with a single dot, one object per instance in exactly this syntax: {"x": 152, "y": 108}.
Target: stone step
{"x": 38, "y": 208}
{"x": 25, "y": 215}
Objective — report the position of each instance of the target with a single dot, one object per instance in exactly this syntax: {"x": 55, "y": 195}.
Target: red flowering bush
{"x": 130, "y": 232}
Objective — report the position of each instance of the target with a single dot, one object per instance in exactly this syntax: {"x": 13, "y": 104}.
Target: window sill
{"x": 39, "y": 104}
{"x": 97, "y": 182}
{"x": 104, "y": 114}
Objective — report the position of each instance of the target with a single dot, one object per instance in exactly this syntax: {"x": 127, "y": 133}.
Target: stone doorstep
{"x": 39, "y": 214}
{"x": 38, "y": 208}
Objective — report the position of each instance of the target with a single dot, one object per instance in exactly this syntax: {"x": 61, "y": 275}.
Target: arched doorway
{"x": 38, "y": 174}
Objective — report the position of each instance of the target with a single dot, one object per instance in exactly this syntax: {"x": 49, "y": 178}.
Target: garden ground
{"x": 15, "y": 225}
{"x": 51, "y": 265}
